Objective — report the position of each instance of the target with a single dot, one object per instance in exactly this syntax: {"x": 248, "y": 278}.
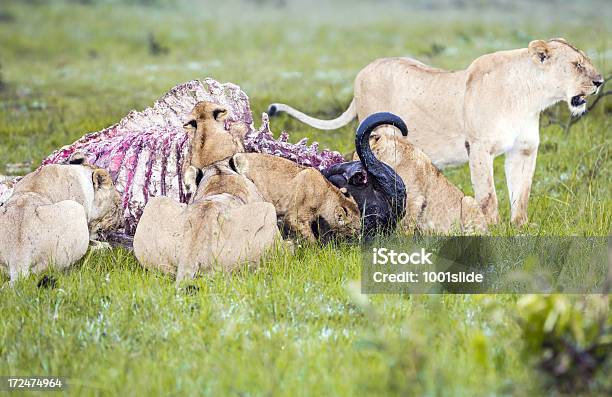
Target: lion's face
{"x": 346, "y": 218}
{"x": 387, "y": 148}
{"x": 106, "y": 213}
{"x": 210, "y": 141}
{"x": 568, "y": 68}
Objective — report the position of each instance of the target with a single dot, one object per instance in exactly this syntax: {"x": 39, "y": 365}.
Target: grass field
{"x": 298, "y": 325}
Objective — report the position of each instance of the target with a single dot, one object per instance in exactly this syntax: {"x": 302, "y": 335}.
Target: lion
{"x": 306, "y": 203}
{"x": 475, "y": 114}
{"x": 227, "y": 223}
{"x": 52, "y": 215}
{"x": 210, "y": 141}
{"x": 433, "y": 203}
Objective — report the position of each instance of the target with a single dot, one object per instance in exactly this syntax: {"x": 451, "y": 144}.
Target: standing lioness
{"x": 490, "y": 108}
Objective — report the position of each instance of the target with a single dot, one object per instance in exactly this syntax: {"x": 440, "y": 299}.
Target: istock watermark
{"x": 382, "y": 256}
{"x": 523, "y": 264}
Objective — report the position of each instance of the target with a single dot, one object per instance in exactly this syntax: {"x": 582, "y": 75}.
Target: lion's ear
{"x": 191, "y": 125}
{"x": 375, "y": 137}
{"x": 539, "y": 50}
{"x": 220, "y": 113}
{"x": 76, "y": 158}
{"x": 559, "y": 40}
{"x": 192, "y": 178}
{"x": 101, "y": 179}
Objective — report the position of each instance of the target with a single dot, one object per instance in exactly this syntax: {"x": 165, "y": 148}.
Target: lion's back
{"x": 428, "y": 99}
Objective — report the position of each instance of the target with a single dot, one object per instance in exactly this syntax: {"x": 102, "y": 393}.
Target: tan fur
{"x": 210, "y": 141}
{"x": 51, "y": 216}
{"x": 492, "y": 107}
{"x": 433, "y": 204}
{"x": 301, "y": 195}
{"x": 226, "y": 224}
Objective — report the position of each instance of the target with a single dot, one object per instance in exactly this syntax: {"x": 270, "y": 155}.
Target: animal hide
{"x": 145, "y": 151}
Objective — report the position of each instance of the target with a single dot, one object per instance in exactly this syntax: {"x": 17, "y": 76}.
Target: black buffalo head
{"x": 378, "y": 190}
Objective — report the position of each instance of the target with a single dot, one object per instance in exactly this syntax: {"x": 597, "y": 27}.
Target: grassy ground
{"x": 297, "y": 326}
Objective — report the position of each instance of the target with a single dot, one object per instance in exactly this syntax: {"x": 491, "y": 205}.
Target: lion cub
{"x": 433, "y": 203}
{"x": 53, "y": 213}
{"x": 226, "y": 224}
{"x": 304, "y": 200}
{"x": 210, "y": 141}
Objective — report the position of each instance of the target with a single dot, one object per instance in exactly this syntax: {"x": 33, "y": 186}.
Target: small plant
{"x": 571, "y": 341}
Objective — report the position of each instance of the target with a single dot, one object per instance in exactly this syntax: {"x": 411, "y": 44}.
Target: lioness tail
{"x": 341, "y": 121}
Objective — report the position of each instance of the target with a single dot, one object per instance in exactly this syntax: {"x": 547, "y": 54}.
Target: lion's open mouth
{"x": 577, "y": 101}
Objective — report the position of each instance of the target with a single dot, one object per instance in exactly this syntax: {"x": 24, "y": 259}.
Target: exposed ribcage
{"x": 145, "y": 151}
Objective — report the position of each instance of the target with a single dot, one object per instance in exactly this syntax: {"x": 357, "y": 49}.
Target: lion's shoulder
{"x": 500, "y": 63}
{"x": 55, "y": 180}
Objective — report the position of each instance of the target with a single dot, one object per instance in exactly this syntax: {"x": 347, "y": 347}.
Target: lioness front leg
{"x": 304, "y": 191}
{"x": 481, "y": 172}
{"x": 519, "y": 167}
{"x": 297, "y": 217}
{"x": 301, "y": 224}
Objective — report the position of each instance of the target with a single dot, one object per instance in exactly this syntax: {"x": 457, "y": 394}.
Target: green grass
{"x": 298, "y": 325}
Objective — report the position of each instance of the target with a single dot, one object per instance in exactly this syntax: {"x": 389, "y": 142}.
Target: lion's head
{"x": 106, "y": 212}
{"x": 569, "y": 68}
{"x": 210, "y": 141}
{"x": 106, "y": 209}
{"x": 339, "y": 216}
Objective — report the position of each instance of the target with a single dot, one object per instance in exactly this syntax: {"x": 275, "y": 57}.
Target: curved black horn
{"x": 385, "y": 177}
